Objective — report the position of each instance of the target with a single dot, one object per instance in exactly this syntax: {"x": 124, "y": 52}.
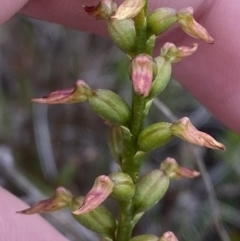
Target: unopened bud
{"x": 100, "y": 191}
{"x": 110, "y": 106}
{"x": 149, "y": 190}
{"x": 129, "y": 9}
{"x": 162, "y": 78}
{"x": 123, "y": 34}
{"x": 124, "y": 188}
{"x": 171, "y": 168}
{"x": 143, "y": 68}
{"x": 61, "y": 200}
{"x": 154, "y": 136}
{"x": 145, "y": 237}
{"x": 103, "y": 10}
{"x": 175, "y": 54}
{"x": 191, "y": 27}
{"x": 160, "y": 20}
{"x": 99, "y": 220}
{"x": 185, "y": 130}
{"x": 79, "y": 93}
{"x": 118, "y": 137}
{"x": 168, "y": 236}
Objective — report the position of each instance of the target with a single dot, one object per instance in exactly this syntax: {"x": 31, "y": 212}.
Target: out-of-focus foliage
{"x": 67, "y": 144}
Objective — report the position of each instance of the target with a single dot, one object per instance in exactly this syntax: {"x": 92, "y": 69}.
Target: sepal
{"x": 143, "y": 71}
{"x": 129, "y": 9}
{"x": 184, "y": 129}
{"x": 171, "y": 168}
{"x": 78, "y": 93}
{"x": 61, "y": 199}
{"x": 191, "y": 27}
{"x": 175, "y": 54}
{"x": 101, "y": 189}
{"x": 99, "y": 220}
{"x": 103, "y": 10}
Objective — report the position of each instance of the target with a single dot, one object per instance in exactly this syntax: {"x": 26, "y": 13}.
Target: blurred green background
{"x": 43, "y": 147}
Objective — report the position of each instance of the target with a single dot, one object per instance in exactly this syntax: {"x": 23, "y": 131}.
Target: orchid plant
{"x": 134, "y": 30}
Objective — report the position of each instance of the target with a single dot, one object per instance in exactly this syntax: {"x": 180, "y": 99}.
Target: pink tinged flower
{"x": 78, "y": 93}
{"x": 129, "y": 9}
{"x": 171, "y": 168}
{"x": 185, "y": 130}
{"x": 191, "y": 27}
{"x": 62, "y": 199}
{"x": 103, "y": 10}
{"x": 175, "y": 54}
{"x": 168, "y": 236}
{"x": 101, "y": 189}
{"x": 142, "y": 67}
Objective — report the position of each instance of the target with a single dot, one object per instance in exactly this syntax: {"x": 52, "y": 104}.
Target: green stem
{"x": 141, "y": 33}
{"x": 138, "y": 117}
{"x": 130, "y": 167}
{"x": 124, "y": 229}
{"x": 137, "y": 123}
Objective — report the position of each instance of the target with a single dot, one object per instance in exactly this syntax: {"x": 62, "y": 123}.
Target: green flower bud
{"x": 123, "y": 34}
{"x": 149, "y": 190}
{"x": 118, "y": 137}
{"x": 154, "y": 136}
{"x": 145, "y": 237}
{"x": 162, "y": 78}
{"x": 99, "y": 220}
{"x": 151, "y": 44}
{"x": 110, "y": 106}
{"x": 124, "y": 188}
{"x": 160, "y": 20}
